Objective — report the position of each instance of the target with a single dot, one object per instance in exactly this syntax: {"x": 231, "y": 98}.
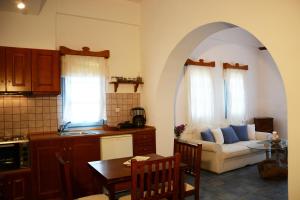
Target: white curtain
{"x": 84, "y": 89}
{"x": 200, "y": 96}
{"x": 235, "y": 95}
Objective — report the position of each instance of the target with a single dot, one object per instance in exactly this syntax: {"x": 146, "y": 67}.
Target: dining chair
{"x": 191, "y": 156}
{"x": 155, "y": 179}
{"x": 65, "y": 175}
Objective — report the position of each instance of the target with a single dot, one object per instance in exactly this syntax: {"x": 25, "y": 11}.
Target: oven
{"x": 14, "y": 154}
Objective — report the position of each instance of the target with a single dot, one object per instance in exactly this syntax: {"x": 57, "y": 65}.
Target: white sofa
{"x": 221, "y": 158}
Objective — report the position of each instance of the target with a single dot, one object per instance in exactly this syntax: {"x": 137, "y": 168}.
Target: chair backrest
{"x": 155, "y": 179}
{"x": 65, "y": 175}
{"x": 191, "y": 156}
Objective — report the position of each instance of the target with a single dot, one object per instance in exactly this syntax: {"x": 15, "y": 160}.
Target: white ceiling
{"x": 33, "y": 7}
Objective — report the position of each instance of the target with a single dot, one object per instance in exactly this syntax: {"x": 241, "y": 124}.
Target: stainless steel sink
{"x": 74, "y": 133}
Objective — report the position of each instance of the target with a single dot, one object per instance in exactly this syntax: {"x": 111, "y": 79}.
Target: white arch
{"x": 167, "y": 86}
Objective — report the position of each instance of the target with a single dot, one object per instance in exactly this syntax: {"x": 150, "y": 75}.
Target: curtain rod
{"x": 85, "y": 52}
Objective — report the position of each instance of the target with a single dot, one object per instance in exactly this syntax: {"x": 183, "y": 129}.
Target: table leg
{"x": 111, "y": 191}
{"x": 267, "y": 154}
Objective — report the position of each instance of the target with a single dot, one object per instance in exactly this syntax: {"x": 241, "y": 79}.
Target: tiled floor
{"x": 241, "y": 184}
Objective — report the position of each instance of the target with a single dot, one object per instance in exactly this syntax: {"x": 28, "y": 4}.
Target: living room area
{"x": 231, "y": 99}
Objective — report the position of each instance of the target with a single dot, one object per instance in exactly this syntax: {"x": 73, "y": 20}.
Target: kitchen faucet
{"x": 63, "y": 127}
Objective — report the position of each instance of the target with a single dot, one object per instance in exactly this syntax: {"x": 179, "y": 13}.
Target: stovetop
{"x": 13, "y": 139}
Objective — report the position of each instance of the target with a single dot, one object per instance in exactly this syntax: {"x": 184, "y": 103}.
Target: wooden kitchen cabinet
{"x": 82, "y": 151}
{"x": 45, "y": 169}
{"x": 2, "y": 70}
{"x": 45, "y": 71}
{"x": 144, "y": 142}
{"x": 78, "y": 151}
{"x": 15, "y": 184}
{"x": 18, "y": 69}
{"x": 25, "y": 70}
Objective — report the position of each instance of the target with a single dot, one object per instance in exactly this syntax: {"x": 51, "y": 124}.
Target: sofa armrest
{"x": 209, "y": 146}
{"x": 263, "y": 135}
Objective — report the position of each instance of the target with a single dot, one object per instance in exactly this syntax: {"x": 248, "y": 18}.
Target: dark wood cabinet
{"x": 18, "y": 69}
{"x": 78, "y": 151}
{"x": 2, "y": 70}
{"x": 45, "y": 71}
{"x": 15, "y": 185}
{"x": 264, "y": 124}
{"x": 45, "y": 169}
{"x": 82, "y": 151}
{"x": 25, "y": 70}
{"x": 144, "y": 142}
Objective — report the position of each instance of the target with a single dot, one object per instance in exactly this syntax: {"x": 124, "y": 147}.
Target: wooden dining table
{"x": 113, "y": 172}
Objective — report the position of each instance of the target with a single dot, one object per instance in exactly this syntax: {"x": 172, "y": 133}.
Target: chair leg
{"x": 197, "y": 196}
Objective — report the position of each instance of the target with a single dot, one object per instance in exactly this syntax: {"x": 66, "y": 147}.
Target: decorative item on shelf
{"x": 179, "y": 129}
{"x": 116, "y": 80}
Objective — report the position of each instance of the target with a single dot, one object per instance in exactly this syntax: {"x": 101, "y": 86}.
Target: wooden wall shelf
{"x": 135, "y": 83}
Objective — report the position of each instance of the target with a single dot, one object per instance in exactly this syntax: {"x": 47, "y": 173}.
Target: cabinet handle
{"x": 2, "y": 81}
{"x": 9, "y": 182}
{"x": 70, "y": 148}
{"x": 65, "y": 149}
{"x": 9, "y": 81}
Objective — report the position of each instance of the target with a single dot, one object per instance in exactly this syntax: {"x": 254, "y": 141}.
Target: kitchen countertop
{"x": 97, "y": 133}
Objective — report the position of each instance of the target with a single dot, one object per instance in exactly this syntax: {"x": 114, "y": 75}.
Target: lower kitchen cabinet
{"x": 144, "y": 142}
{"x": 15, "y": 184}
{"x": 82, "y": 151}
{"x": 78, "y": 151}
{"x": 45, "y": 169}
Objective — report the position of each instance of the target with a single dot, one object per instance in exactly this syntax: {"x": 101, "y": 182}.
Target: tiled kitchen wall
{"x": 123, "y": 101}
{"x": 20, "y": 115}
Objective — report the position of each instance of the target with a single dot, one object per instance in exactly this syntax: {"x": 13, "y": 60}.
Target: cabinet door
{"x": 45, "y": 71}
{"x": 83, "y": 150}
{"x": 2, "y": 69}
{"x": 20, "y": 186}
{"x": 16, "y": 185}
{"x": 18, "y": 69}
{"x": 46, "y": 169}
{"x": 144, "y": 142}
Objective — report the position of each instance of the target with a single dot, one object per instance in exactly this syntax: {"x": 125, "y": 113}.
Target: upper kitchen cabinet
{"x": 18, "y": 69}
{"x": 2, "y": 70}
{"x": 45, "y": 72}
{"x": 34, "y": 71}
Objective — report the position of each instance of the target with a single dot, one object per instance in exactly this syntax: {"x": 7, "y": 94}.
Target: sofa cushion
{"x": 207, "y": 136}
{"x": 229, "y": 135}
{"x": 241, "y": 132}
{"x": 251, "y": 131}
{"x": 233, "y": 150}
{"x": 217, "y": 133}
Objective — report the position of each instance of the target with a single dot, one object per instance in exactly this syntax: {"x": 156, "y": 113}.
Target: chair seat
{"x": 95, "y": 197}
{"x": 188, "y": 187}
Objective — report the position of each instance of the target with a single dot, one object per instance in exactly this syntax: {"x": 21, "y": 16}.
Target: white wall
{"x": 221, "y": 51}
{"x": 169, "y": 32}
{"x": 272, "y": 97}
{"x": 98, "y": 24}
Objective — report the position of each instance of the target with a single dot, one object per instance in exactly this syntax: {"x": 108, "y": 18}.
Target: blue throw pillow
{"x": 229, "y": 135}
{"x": 241, "y": 132}
{"x": 207, "y": 136}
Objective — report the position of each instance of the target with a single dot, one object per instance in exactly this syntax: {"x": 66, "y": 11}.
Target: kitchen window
{"x": 83, "y": 90}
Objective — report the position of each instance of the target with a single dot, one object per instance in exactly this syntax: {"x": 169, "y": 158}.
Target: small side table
{"x": 264, "y": 124}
